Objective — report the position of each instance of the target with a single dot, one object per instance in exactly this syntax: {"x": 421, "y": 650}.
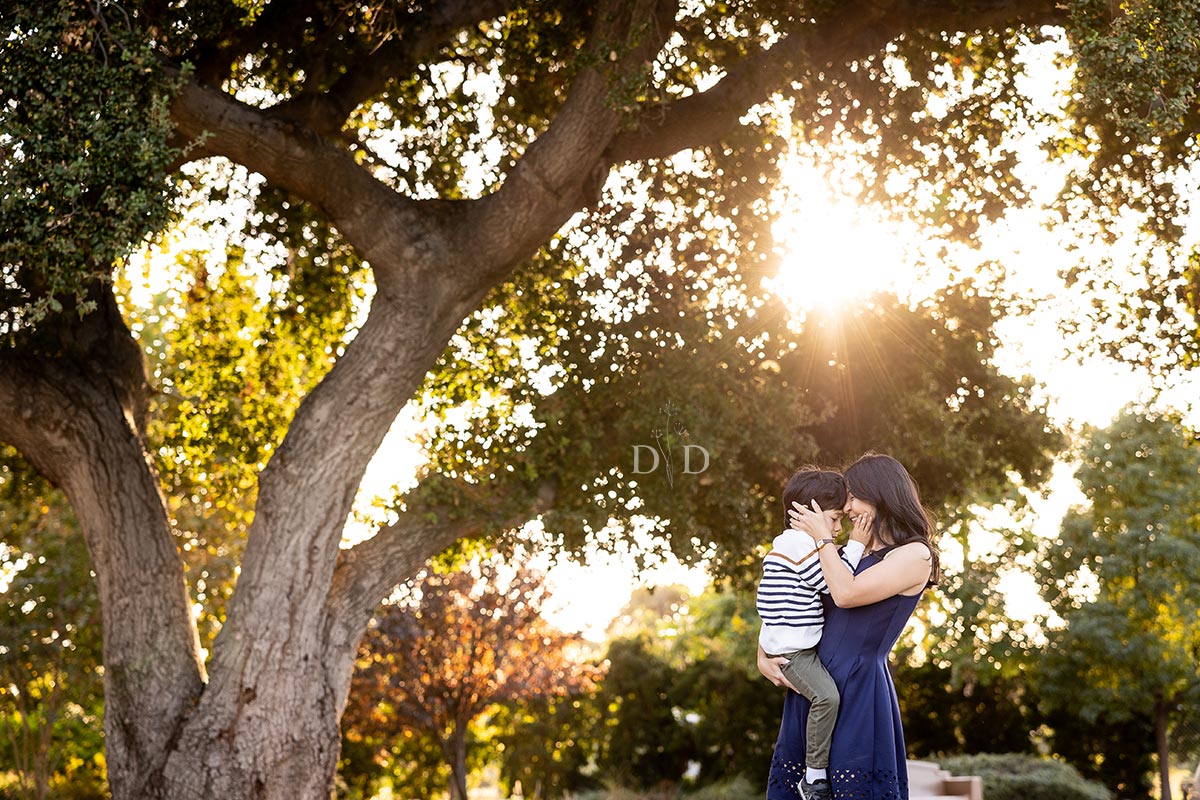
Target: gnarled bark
{"x": 77, "y": 417}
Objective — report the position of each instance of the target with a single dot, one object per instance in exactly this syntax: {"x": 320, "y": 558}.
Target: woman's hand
{"x": 772, "y": 669}
{"x": 812, "y": 521}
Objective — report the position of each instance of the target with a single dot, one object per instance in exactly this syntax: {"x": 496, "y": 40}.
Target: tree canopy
{"x": 495, "y": 208}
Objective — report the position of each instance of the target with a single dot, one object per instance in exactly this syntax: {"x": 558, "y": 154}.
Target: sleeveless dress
{"x": 867, "y": 759}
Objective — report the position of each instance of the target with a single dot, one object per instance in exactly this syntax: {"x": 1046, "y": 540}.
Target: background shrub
{"x": 1015, "y": 776}
{"x": 735, "y": 788}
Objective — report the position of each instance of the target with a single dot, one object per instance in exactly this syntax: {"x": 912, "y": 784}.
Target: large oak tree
{"x": 102, "y": 101}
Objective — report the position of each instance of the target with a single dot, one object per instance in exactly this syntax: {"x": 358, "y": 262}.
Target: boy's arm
{"x": 851, "y": 554}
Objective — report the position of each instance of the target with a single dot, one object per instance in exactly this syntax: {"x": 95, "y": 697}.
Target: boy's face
{"x": 835, "y": 515}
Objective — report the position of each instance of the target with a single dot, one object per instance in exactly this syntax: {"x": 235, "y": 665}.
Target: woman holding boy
{"x": 865, "y": 612}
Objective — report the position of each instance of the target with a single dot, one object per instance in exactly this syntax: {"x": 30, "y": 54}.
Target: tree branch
{"x": 363, "y": 209}
{"x": 564, "y": 169}
{"x": 856, "y": 30}
{"x": 368, "y": 572}
{"x": 324, "y": 112}
{"x": 281, "y": 23}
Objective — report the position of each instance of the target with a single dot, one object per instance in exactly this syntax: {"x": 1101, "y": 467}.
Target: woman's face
{"x": 856, "y": 507}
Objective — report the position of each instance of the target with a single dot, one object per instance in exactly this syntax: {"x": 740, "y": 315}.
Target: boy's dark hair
{"x": 828, "y": 488}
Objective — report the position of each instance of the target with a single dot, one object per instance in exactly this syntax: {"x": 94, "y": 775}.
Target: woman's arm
{"x": 905, "y": 571}
{"x": 772, "y": 669}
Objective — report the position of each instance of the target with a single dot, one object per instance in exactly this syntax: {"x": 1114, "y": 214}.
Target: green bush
{"x": 622, "y": 793}
{"x": 1015, "y": 776}
{"x": 735, "y": 788}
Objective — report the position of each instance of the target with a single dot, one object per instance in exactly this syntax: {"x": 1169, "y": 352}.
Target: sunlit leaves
{"x": 1141, "y": 64}
{"x": 1133, "y": 121}
{"x": 1132, "y": 639}
{"x": 932, "y": 121}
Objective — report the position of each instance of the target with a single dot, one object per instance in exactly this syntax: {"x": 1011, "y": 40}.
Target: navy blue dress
{"x": 867, "y": 760}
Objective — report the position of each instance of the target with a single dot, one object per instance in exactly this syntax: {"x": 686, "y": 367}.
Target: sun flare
{"x": 832, "y": 253}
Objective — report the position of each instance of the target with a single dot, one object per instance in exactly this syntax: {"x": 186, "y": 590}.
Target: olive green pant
{"x": 806, "y": 672}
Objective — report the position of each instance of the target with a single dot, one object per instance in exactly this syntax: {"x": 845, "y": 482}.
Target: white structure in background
{"x": 928, "y": 781}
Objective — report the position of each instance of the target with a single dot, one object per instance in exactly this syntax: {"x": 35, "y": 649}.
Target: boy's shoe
{"x": 817, "y": 790}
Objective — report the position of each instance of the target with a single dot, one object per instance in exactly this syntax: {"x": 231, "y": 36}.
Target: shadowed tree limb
{"x": 75, "y": 422}
{"x": 855, "y": 30}
{"x": 325, "y": 111}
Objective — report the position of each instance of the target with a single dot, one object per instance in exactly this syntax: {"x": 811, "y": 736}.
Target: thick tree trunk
{"x": 276, "y": 737}
{"x": 75, "y": 408}
{"x": 152, "y": 669}
{"x": 269, "y": 730}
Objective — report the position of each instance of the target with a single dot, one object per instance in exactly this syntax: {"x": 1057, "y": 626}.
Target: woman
{"x": 869, "y": 610}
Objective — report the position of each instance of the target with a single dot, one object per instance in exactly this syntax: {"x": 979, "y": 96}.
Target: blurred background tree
{"x": 50, "y": 681}
{"x": 1121, "y": 577}
{"x": 466, "y": 639}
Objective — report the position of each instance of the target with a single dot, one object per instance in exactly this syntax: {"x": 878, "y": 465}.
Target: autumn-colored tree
{"x": 464, "y": 640}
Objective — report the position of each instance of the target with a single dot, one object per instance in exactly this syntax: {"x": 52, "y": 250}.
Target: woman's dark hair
{"x": 883, "y": 482}
{"x": 828, "y": 488}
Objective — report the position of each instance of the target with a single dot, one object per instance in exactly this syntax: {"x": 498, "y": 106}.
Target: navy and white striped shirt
{"x": 789, "y": 601}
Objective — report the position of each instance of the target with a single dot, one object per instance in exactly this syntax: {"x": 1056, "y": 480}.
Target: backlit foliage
{"x": 83, "y": 188}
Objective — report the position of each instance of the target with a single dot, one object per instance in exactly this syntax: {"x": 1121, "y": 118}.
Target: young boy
{"x": 789, "y": 604}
